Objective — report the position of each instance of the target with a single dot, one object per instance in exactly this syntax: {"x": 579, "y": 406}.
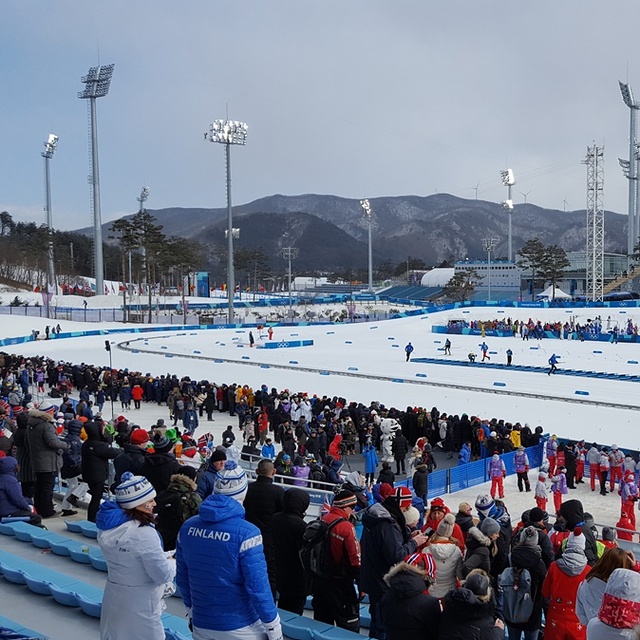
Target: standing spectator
{"x": 44, "y": 446}
{"x": 572, "y": 516}
{"x": 603, "y": 467}
{"x": 221, "y": 570}
{"x": 464, "y": 456}
{"x": 521, "y": 462}
{"x": 26, "y": 474}
{"x": 560, "y": 587}
{"x": 215, "y": 464}
{"x": 469, "y": 611}
{"x": 176, "y": 504}
{"x": 527, "y": 554}
{"x": 558, "y": 488}
{"x": 620, "y": 611}
{"x": 96, "y": 453}
{"x": 137, "y": 394}
{"x": 551, "y": 450}
{"x": 385, "y": 540}
{"x": 287, "y": 527}
{"x": 386, "y": 474}
{"x": 581, "y": 454}
{"x": 447, "y": 555}
{"x": 591, "y": 591}
{"x": 409, "y": 611}
{"x": 268, "y": 450}
{"x": 138, "y": 568}
{"x": 408, "y": 351}
{"x": 541, "y": 493}
{"x": 629, "y": 496}
{"x": 72, "y": 468}
{"x": 400, "y": 449}
{"x": 464, "y": 518}
{"x": 263, "y": 500}
{"x": 190, "y": 419}
{"x": 370, "y": 461}
{"x": 134, "y": 453}
{"x": 421, "y": 482}
{"x": 593, "y": 458}
{"x": 497, "y": 473}
{"x": 616, "y": 460}
{"x": 570, "y": 465}
{"x": 336, "y": 598}
{"x": 12, "y": 503}
{"x": 159, "y": 466}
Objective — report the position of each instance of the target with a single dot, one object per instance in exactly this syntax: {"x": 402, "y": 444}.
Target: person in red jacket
{"x": 624, "y": 526}
{"x": 560, "y": 587}
{"x": 336, "y": 598}
{"x": 136, "y": 393}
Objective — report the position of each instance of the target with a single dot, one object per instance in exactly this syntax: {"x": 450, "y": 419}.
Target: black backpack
{"x": 315, "y": 553}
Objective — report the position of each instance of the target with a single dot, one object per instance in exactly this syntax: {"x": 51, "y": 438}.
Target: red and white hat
{"x": 404, "y": 497}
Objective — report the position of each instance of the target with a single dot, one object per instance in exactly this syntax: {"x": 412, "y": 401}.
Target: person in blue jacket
{"x": 221, "y": 571}
{"x": 190, "y": 419}
{"x": 465, "y": 454}
{"x": 553, "y": 361}
{"x": 12, "y": 502}
{"x": 268, "y": 450}
{"x": 216, "y": 463}
{"x": 370, "y": 462}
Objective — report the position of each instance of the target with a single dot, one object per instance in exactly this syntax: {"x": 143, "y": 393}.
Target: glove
{"x": 504, "y": 474}
{"x": 274, "y": 629}
{"x": 526, "y": 468}
{"x": 169, "y": 589}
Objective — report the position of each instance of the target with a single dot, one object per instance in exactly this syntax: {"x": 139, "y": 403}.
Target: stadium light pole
{"x": 489, "y": 246}
{"x": 97, "y": 82}
{"x": 508, "y": 180}
{"x": 631, "y": 172}
{"x": 49, "y": 149}
{"x": 290, "y": 253}
{"x": 366, "y": 210}
{"x": 228, "y": 132}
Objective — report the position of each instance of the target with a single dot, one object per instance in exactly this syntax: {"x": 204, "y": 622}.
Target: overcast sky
{"x": 357, "y": 98}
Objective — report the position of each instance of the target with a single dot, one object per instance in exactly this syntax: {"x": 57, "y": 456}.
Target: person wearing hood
{"x": 591, "y": 591}
{"x": 480, "y": 549}
{"x": 300, "y": 472}
{"x": 497, "y": 513}
{"x": 527, "y": 554}
{"x": 572, "y": 515}
{"x": 176, "y": 504}
{"x": 354, "y": 482}
{"x": 560, "y": 587}
{"x": 96, "y": 453}
{"x": 26, "y": 474}
{"x": 134, "y": 453}
{"x": 468, "y": 611}
{"x": 215, "y": 464}
{"x": 138, "y": 569}
{"x": 619, "y": 613}
{"x": 159, "y": 466}
{"x": 12, "y": 503}
{"x": 386, "y": 474}
{"x": 386, "y": 540}
{"x": 288, "y": 527}
{"x": 410, "y": 612}
{"x": 221, "y": 569}
{"x": 370, "y": 460}
{"x": 464, "y": 518}
{"x": 44, "y": 446}
{"x": 447, "y": 555}
{"x": 72, "y": 468}
{"x": 331, "y": 470}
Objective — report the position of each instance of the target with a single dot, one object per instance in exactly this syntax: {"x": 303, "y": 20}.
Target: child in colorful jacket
{"x": 497, "y": 472}
{"x": 559, "y": 488}
{"x": 541, "y": 492}
{"x": 552, "y": 452}
{"x": 629, "y": 496}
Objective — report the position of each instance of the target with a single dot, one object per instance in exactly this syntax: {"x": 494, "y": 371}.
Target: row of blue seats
{"x": 6, "y": 624}
{"x": 65, "y": 589}
{"x": 531, "y": 369}
{"x": 302, "y": 628}
{"x": 365, "y": 616}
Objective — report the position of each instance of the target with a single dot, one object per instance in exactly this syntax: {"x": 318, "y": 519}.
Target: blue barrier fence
{"x": 468, "y": 475}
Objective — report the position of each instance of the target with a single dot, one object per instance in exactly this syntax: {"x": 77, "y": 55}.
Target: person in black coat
{"x": 400, "y": 449}
{"x": 570, "y": 465}
{"x": 386, "y": 475}
{"x": 464, "y": 517}
{"x": 160, "y": 465}
{"x": 134, "y": 453}
{"x": 468, "y": 612}
{"x": 408, "y": 611}
{"x": 287, "y": 528}
{"x": 264, "y": 499}
{"x": 96, "y": 454}
{"x": 421, "y": 481}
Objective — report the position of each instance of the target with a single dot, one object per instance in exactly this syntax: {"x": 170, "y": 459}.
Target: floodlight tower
{"x": 595, "y": 224}
{"x": 508, "y": 180}
{"x": 631, "y": 171}
{"x": 97, "y": 82}
{"x": 290, "y": 253}
{"x": 489, "y": 246}
{"x": 366, "y": 211}
{"x": 49, "y": 149}
{"x": 228, "y": 132}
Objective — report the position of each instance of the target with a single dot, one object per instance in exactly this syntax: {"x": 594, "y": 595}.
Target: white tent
{"x": 548, "y": 294}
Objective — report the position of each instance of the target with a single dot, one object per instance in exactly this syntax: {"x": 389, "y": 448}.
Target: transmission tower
{"x": 595, "y": 223}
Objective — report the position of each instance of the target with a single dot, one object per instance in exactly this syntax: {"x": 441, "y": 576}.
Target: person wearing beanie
{"x": 593, "y": 460}
{"x": 230, "y": 590}
{"x": 551, "y": 451}
{"x": 497, "y": 472}
{"x": 541, "y": 493}
{"x": 591, "y": 591}
{"x": 468, "y": 611}
{"x": 571, "y": 515}
{"x": 629, "y": 495}
{"x": 386, "y": 540}
{"x": 336, "y": 598}
{"x": 12, "y": 503}
{"x": 619, "y": 613}
{"x": 96, "y": 453}
{"x": 609, "y": 538}
{"x": 44, "y": 446}
{"x": 616, "y": 460}
{"x": 447, "y": 555}
{"x": 160, "y": 465}
{"x": 561, "y": 587}
{"x": 177, "y": 503}
{"x": 527, "y": 554}
{"x": 264, "y": 499}
{"x": 410, "y": 612}
{"x": 138, "y": 568}
{"x": 134, "y": 453}
{"x": 623, "y": 527}
{"x": 604, "y": 465}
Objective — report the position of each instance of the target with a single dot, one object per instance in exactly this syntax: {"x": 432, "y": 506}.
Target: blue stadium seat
{"x": 303, "y": 628}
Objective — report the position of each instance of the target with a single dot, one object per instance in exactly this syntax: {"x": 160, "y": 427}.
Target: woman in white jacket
{"x": 445, "y": 551}
{"x": 138, "y": 568}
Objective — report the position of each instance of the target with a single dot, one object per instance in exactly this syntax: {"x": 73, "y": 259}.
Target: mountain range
{"x": 330, "y": 232}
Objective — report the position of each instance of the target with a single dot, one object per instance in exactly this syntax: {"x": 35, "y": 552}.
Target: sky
{"x": 365, "y": 98}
